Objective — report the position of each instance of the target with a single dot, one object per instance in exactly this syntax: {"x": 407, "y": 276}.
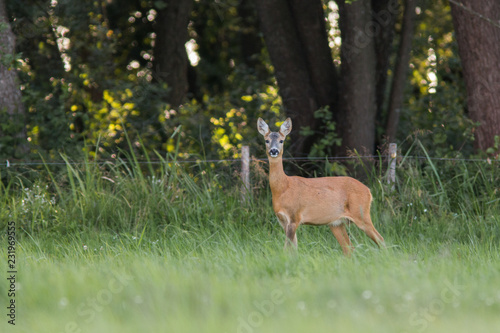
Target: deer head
{"x": 274, "y": 140}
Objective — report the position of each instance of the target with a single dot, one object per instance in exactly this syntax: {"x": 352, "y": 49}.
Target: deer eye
{"x": 267, "y": 141}
{"x": 281, "y": 141}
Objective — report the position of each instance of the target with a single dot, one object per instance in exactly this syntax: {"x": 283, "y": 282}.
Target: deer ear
{"x": 262, "y": 127}
{"x": 286, "y": 127}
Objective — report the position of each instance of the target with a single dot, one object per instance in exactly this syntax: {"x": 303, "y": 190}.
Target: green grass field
{"x": 113, "y": 249}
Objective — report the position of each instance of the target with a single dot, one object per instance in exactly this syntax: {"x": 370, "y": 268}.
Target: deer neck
{"x": 278, "y": 180}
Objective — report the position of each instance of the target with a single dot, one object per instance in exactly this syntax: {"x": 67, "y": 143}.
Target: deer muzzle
{"x": 274, "y": 152}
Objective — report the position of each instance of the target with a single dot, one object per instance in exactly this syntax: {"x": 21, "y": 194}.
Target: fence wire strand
{"x": 17, "y": 163}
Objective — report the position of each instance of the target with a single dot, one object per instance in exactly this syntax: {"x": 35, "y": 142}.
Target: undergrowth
{"x": 431, "y": 200}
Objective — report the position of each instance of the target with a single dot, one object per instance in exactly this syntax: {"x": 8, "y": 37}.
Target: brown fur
{"x": 317, "y": 201}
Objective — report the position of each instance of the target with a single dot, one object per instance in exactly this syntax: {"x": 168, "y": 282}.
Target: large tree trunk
{"x": 10, "y": 95}
{"x": 358, "y": 76}
{"x": 310, "y": 21}
{"x": 478, "y": 37}
{"x": 291, "y": 70}
{"x": 384, "y": 17}
{"x": 170, "y": 57}
{"x": 296, "y": 40}
{"x": 401, "y": 70}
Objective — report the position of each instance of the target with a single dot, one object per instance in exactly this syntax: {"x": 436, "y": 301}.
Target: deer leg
{"x": 291, "y": 235}
{"x": 340, "y": 233}
{"x": 282, "y": 219}
{"x": 363, "y": 220}
{"x": 290, "y": 230}
{"x": 370, "y": 230}
{"x": 374, "y": 235}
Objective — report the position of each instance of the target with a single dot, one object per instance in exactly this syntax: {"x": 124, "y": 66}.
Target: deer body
{"x": 315, "y": 201}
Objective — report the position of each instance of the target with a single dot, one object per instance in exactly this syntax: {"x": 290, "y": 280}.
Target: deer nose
{"x": 274, "y": 152}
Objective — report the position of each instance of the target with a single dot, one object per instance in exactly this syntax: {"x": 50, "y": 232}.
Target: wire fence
{"x": 242, "y": 164}
{"x": 17, "y": 163}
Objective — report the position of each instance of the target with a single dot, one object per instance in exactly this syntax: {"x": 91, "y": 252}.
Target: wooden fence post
{"x": 393, "y": 154}
{"x": 245, "y": 172}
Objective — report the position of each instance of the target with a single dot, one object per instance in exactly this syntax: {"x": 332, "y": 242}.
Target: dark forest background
{"x": 191, "y": 77}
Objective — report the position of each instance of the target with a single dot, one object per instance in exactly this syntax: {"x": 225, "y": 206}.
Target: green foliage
{"x": 434, "y": 109}
{"x": 104, "y": 89}
{"x": 496, "y": 147}
{"x": 233, "y": 118}
{"x": 10, "y": 127}
{"x": 47, "y": 122}
{"x": 328, "y": 136}
{"x": 444, "y": 197}
{"x": 86, "y": 71}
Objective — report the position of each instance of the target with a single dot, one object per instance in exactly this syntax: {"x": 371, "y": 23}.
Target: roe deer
{"x": 315, "y": 201}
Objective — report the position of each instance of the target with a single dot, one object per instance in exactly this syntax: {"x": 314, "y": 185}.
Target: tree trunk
{"x": 290, "y": 65}
{"x": 310, "y": 21}
{"x": 357, "y": 98}
{"x": 170, "y": 57}
{"x": 384, "y": 16}
{"x": 10, "y": 95}
{"x": 297, "y": 43}
{"x": 477, "y": 31}
{"x": 401, "y": 70}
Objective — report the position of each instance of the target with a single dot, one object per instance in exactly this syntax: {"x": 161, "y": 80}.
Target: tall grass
{"x": 440, "y": 200}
